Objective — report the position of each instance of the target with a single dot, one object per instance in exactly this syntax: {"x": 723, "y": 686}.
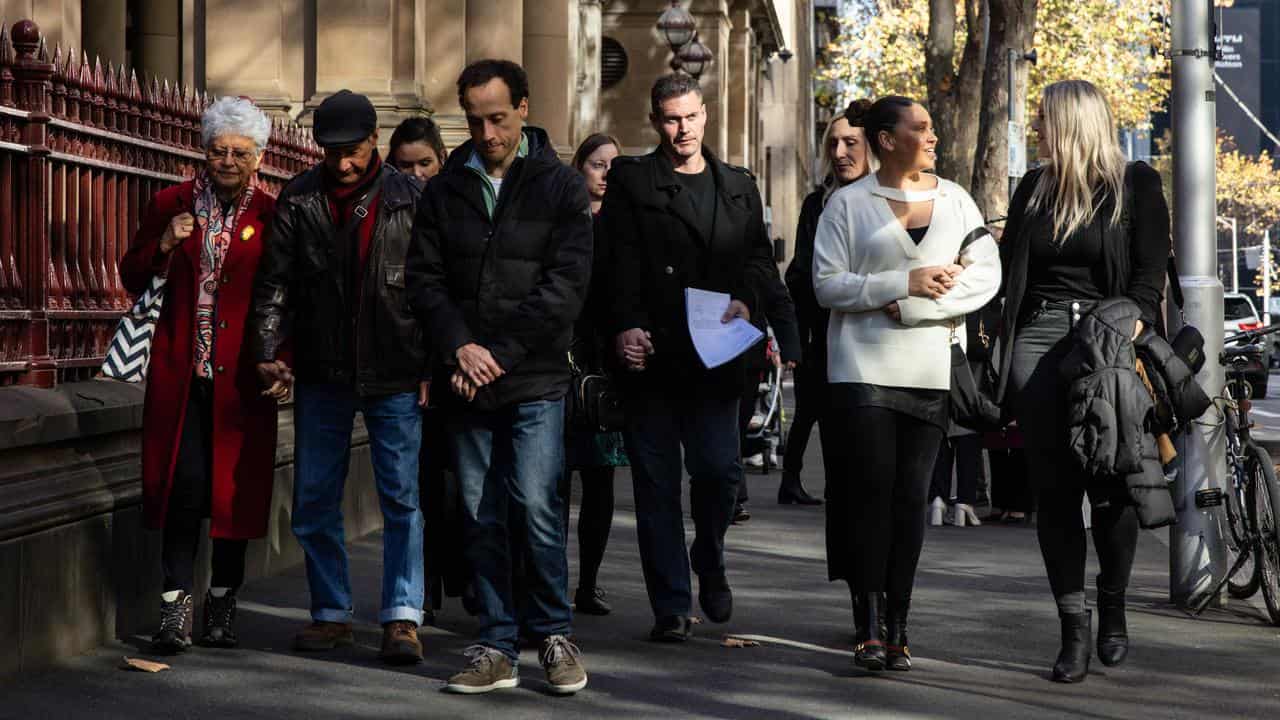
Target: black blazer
{"x": 652, "y": 226}
{"x": 1135, "y": 256}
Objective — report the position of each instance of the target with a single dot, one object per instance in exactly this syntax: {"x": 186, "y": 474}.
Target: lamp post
{"x": 694, "y": 57}
{"x": 688, "y": 54}
{"x": 678, "y": 28}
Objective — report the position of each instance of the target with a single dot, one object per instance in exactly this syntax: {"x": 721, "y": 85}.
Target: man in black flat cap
{"x": 331, "y": 283}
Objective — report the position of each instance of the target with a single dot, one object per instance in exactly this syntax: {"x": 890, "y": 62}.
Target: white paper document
{"x": 716, "y": 342}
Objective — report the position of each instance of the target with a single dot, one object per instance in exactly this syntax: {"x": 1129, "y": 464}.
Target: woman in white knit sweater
{"x": 888, "y": 263}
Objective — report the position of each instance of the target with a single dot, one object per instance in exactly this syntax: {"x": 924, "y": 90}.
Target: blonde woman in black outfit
{"x": 1064, "y": 249}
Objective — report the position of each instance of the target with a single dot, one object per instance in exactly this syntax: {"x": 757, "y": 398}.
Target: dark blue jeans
{"x": 323, "y": 416}
{"x": 659, "y": 422}
{"x": 514, "y": 454}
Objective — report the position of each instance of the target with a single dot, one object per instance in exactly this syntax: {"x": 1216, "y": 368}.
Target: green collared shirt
{"x": 490, "y": 190}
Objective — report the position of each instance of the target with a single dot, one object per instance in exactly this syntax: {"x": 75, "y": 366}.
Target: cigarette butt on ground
{"x": 730, "y": 641}
{"x": 143, "y": 665}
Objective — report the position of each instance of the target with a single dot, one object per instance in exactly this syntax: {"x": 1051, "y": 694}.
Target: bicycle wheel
{"x": 1239, "y": 541}
{"x": 1265, "y": 502}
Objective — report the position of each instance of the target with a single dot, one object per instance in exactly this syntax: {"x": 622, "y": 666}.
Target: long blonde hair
{"x": 1084, "y": 157}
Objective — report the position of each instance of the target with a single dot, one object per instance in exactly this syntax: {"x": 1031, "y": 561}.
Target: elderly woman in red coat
{"x": 209, "y": 427}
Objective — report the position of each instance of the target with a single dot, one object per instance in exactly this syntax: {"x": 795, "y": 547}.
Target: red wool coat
{"x": 244, "y": 422}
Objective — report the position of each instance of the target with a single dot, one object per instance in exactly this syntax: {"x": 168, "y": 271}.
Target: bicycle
{"x": 1252, "y": 497}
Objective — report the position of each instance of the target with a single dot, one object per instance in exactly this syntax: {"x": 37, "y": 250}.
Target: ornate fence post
{"x": 32, "y": 77}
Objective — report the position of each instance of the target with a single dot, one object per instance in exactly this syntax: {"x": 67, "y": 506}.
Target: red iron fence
{"x": 83, "y": 148}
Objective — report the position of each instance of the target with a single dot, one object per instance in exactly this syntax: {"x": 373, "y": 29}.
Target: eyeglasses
{"x": 240, "y": 157}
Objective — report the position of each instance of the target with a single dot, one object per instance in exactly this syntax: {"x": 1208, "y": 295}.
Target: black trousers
{"x": 875, "y": 522}
{"x": 189, "y": 499}
{"x": 811, "y": 404}
{"x": 595, "y": 520}
{"x": 1010, "y": 491}
{"x": 964, "y": 453}
{"x": 1040, "y": 405}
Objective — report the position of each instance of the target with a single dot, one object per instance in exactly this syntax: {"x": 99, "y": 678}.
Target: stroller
{"x": 764, "y": 436}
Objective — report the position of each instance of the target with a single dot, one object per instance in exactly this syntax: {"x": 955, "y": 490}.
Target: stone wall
{"x": 76, "y": 567}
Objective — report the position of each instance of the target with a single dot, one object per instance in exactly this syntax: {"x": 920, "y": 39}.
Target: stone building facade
{"x": 288, "y": 55}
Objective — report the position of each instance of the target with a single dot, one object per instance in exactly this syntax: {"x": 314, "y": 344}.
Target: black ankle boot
{"x": 1113, "y": 633}
{"x": 869, "y": 654}
{"x": 219, "y": 621}
{"x": 1073, "y": 659}
{"x": 174, "y": 635}
{"x": 792, "y": 492}
{"x": 897, "y": 656}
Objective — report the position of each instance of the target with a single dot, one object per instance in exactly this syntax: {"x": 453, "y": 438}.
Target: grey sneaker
{"x": 563, "y": 662}
{"x": 486, "y": 670}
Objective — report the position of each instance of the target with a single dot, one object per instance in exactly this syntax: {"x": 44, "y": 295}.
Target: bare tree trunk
{"x": 954, "y": 93}
{"x": 969, "y": 91}
{"x": 1012, "y": 27}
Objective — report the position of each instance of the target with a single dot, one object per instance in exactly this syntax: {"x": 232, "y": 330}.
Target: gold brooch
{"x": 246, "y": 234}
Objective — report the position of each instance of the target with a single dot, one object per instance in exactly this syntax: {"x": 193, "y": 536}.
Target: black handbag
{"x": 973, "y": 389}
{"x": 594, "y": 403}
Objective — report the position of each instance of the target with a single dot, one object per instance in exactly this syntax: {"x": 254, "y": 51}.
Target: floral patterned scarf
{"x": 216, "y": 226}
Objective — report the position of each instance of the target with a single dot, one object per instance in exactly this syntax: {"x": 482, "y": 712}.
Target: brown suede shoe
{"x": 320, "y": 636}
{"x": 400, "y": 644}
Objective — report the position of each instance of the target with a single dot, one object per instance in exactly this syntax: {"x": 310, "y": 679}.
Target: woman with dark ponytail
{"x": 900, "y": 257}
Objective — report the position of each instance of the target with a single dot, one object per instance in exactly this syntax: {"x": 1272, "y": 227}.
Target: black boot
{"x": 869, "y": 654}
{"x": 1073, "y": 659}
{"x": 792, "y": 492}
{"x": 1113, "y": 633}
{"x": 219, "y": 621}
{"x": 174, "y": 635}
{"x": 898, "y": 657}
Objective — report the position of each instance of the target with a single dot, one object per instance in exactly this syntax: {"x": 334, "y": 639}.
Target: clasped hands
{"x": 931, "y": 282}
{"x": 476, "y": 368}
{"x": 634, "y": 346}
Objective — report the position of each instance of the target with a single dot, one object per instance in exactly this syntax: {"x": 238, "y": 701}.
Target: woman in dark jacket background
{"x": 845, "y": 159}
{"x": 594, "y": 455}
{"x": 1066, "y": 247}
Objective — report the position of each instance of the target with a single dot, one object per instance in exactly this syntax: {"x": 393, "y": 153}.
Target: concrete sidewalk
{"x": 984, "y": 635}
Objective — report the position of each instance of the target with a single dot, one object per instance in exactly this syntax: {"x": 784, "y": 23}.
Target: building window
{"x": 613, "y": 63}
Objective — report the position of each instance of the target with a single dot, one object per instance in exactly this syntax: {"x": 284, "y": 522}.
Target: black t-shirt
{"x": 702, "y": 191}
{"x": 1065, "y": 270}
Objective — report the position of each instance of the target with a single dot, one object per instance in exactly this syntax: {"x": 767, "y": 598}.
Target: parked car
{"x": 1239, "y": 315}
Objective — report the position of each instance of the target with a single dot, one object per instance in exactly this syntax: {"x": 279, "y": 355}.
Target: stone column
{"x": 714, "y": 29}
{"x": 495, "y": 29}
{"x": 738, "y": 116}
{"x": 156, "y": 38}
{"x": 550, "y": 57}
{"x": 442, "y": 31}
{"x": 266, "y": 59}
{"x": 586, "y": 107}
{"x": 369, "y": 47}
{"x": 59, "y": 20}
{"x": 103, "y": 32}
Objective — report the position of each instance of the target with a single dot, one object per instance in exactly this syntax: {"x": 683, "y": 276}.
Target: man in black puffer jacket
{"x": 332, "y": 282}
{"x": 498, "y": 271}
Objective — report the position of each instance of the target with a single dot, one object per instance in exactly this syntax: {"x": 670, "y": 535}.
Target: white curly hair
{"x": 235, "y": 116}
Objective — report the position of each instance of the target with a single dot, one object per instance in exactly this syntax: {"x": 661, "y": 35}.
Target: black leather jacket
{"x": 302, "y": 292}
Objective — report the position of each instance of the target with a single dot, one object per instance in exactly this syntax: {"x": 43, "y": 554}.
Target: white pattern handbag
{"x": 130, "y": 350}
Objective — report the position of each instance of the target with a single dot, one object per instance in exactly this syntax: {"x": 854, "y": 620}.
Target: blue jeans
{"x": 514, "y": 454}
{"x": 659, "y": 422}
{"x": 323, "y": 418}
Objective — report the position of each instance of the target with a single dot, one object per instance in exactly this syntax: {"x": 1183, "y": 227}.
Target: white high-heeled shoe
{"x": 936, "y": 509}
{"x": 964, "y": 515}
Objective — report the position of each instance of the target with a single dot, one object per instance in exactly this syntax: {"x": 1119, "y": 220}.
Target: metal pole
{"x": 1196, "y": 556}
{"x": 1012, "y": 60}
{"x": 1266, "y": 278}
{"x": 1235, "y": 258}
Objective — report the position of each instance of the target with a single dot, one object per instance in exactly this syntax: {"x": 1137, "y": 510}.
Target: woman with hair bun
{"x": 900, "y": 257}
